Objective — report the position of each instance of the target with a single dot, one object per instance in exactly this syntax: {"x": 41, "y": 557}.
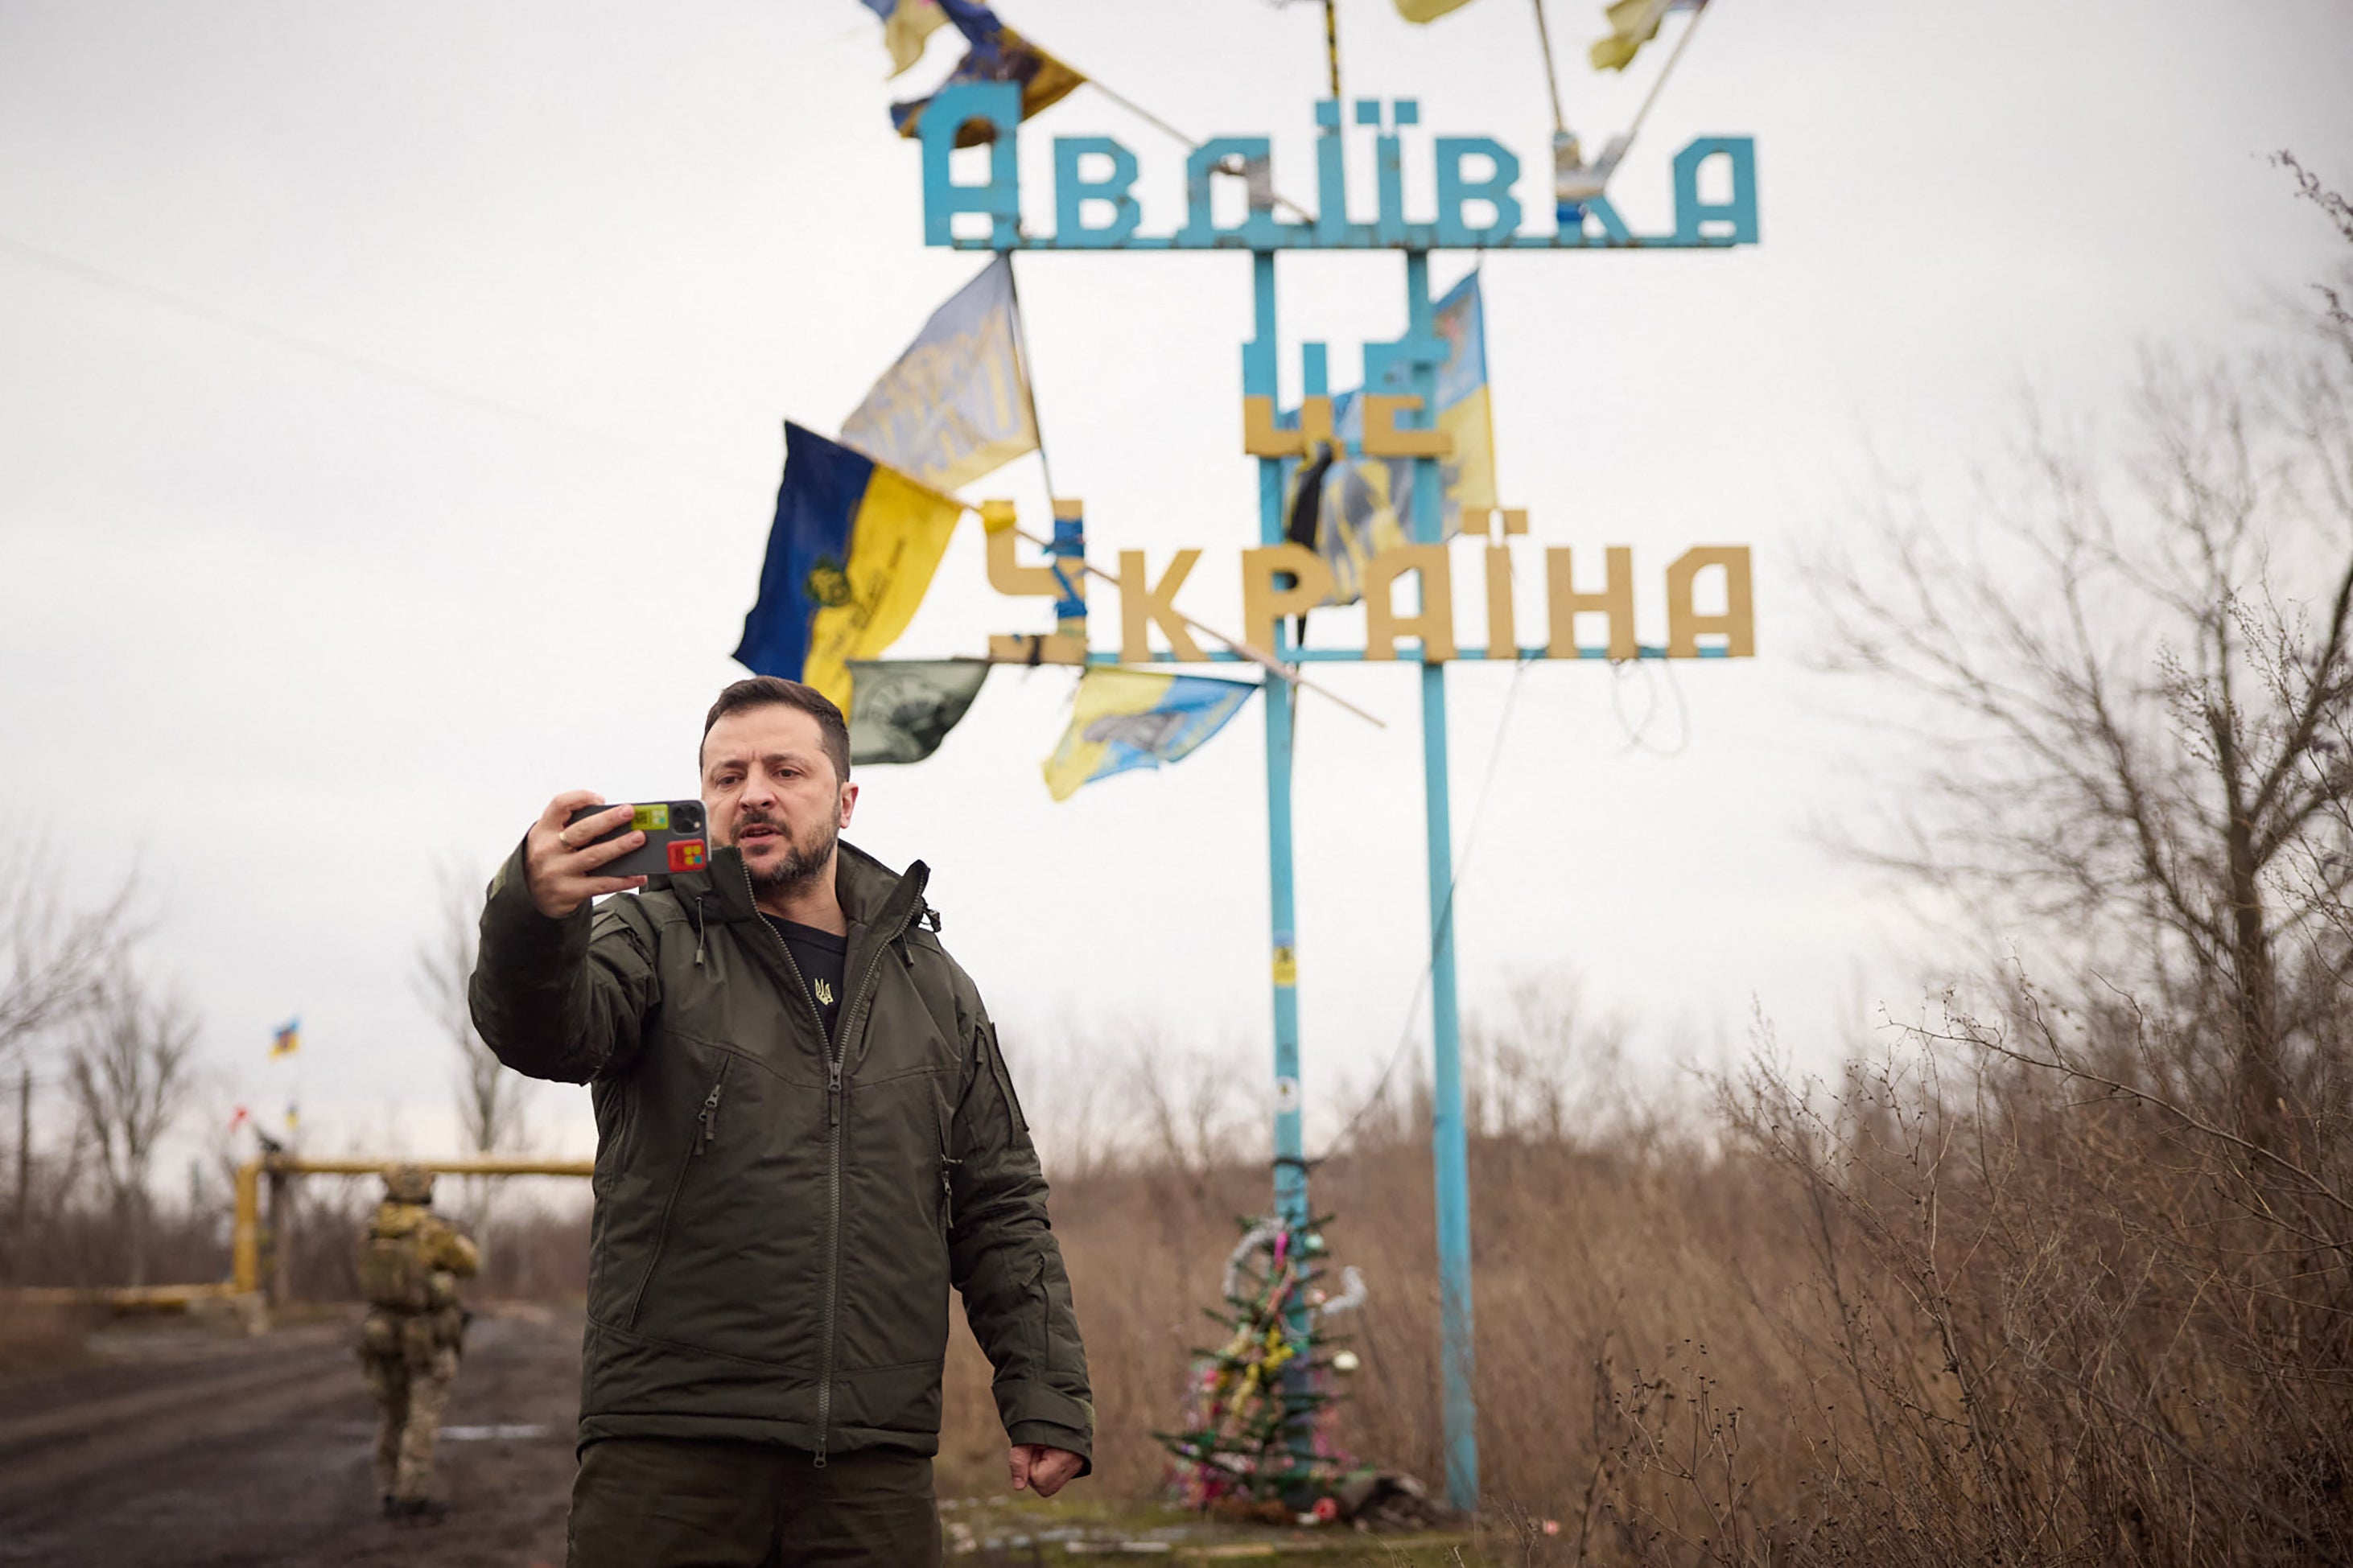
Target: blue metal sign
{"x": 1106, "y": 194}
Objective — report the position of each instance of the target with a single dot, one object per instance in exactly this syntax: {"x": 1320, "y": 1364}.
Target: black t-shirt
{"x": 820, "y": 956}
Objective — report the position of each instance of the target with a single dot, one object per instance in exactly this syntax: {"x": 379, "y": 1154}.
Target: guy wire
{"x": 1229, "y": 166}
{"x": 1445, "y": 923}
{"x": 1665, "y": 71}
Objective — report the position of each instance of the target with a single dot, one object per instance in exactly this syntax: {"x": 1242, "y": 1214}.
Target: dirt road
{"x": 181, "y": 1448}
{"x": 184, "y": 1448}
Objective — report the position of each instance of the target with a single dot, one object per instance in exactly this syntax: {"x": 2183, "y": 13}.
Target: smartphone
{"x": 674, "y": 839}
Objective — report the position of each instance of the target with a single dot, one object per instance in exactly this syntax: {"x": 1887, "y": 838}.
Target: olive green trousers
{"x": 677, "y": 1503}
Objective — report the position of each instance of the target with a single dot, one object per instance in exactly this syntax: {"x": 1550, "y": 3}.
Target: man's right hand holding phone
{"x": 560, "y": 861}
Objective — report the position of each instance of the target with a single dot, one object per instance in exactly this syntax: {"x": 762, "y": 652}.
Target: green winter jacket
{"x": 778, "y": 1217}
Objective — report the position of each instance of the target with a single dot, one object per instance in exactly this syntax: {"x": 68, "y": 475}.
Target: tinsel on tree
{"x": 1257, "y": 1425}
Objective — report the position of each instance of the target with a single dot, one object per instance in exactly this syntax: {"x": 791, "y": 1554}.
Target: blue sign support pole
{"x": 1450, "y": 1142}
{"x": 1289, "y": 1145}
{"x": 1291, "y": 1205}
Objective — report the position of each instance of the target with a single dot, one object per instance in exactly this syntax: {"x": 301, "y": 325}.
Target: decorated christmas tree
{"x": 1257, "y": 1430}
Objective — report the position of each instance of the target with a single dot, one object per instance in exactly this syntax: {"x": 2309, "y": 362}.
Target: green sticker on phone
{"x": 650, "y": 818}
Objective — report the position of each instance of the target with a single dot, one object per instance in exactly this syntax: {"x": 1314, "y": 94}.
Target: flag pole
{"x": 1028, "y": 376}
{"x": 1552, "y": 77}
{"x": 1331, "y": 44}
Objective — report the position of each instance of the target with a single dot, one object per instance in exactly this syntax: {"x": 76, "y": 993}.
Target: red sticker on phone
{"x": 686, "y": 854}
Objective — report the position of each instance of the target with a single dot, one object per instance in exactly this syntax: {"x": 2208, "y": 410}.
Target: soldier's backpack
{"x": 395, "y": 1272}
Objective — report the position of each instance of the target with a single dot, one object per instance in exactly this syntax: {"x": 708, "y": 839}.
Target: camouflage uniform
{"x": 409, "y": 1268}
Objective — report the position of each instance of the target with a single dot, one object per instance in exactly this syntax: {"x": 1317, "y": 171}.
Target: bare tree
{"x": 2131, "y": 687}
{"x": 491, "y": 1096}
{"x": 128, "y": 1069}
{"x": 53, "y": 953}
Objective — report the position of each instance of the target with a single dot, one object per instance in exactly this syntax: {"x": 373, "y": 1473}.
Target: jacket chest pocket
{"x": 901, "y": 1033}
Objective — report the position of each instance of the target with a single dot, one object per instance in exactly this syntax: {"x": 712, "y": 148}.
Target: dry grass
{"x": 1955, "y": 1307}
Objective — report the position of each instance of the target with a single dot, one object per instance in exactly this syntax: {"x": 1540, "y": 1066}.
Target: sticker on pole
{"x": 1286, "y": 1097}
{"x": 1286, "y": 966}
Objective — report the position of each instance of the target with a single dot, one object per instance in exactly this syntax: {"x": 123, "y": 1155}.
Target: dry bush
{"x": 2079, "y": 1321}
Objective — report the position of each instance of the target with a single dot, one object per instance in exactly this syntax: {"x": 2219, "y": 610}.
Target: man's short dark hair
{"x": 767, "y": 690}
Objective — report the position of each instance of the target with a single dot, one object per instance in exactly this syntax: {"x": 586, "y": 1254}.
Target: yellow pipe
{"x": 296, "y": 1165}
{"x": 245, "y": 1247}
{"x": 126, "y": 1295}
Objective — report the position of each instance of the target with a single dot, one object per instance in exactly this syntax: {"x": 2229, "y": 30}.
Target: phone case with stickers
{"x": 674, "y": 839}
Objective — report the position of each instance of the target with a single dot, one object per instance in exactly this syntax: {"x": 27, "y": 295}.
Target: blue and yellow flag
{"x": 997, "y": 54}
{"x": 852, "y": 550}
{"x": 286, "y": 1039}
{"x": 1133, "y": 719}
{"x": 955, "y": 405}
{"x": 1364, "y": 505}
{"x": 906, "y": 23}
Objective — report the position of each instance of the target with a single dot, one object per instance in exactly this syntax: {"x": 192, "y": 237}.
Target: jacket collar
{"x": 871, "y": 894}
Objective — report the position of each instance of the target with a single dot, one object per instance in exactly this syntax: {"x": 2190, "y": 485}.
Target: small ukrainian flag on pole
{"x": 286, "y": 1039}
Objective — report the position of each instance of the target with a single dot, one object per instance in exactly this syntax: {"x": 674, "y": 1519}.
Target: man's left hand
{"x": 1042, "y": 1469}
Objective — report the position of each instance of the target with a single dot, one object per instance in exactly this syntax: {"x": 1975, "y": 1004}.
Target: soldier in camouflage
{"x": 409, "y": 1266}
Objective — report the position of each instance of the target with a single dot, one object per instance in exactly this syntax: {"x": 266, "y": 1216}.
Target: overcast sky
{"x": 284, "y": 628}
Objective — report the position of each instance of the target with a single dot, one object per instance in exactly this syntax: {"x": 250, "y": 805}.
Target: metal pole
{"x": 1291, "y": 1205}
{"x": 24, "y": 1166}
{"x": 1450, "y": 1144}
{"x": 1289, "y": 1146}
{"x": 281, "y": 1238}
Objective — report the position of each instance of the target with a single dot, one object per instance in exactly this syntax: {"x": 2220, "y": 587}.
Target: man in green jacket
{"x": 805, "y": 1133}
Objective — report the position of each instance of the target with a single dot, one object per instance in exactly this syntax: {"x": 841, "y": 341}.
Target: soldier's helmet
{"x": 409, "y": 1184}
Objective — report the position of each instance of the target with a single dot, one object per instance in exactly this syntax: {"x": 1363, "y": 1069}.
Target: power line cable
{"x": 264, "y": 332}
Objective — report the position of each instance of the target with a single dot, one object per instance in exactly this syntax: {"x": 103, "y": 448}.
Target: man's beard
{"x": 797, "y": 867}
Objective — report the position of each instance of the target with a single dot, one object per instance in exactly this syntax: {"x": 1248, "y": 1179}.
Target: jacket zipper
{"x": 706, "y": 1124}
{"x": 833, "y": 1094}
{"x": 850, "y": 1018}
{"x": 832, "y": 1159}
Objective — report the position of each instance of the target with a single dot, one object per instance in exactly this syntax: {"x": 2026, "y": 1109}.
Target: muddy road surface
{"x": 182, "y": 1448}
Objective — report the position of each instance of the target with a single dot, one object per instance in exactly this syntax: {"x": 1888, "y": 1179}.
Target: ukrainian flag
{"x": 1132, "y": 719}
{"x": 997, "y": 54}
{"x": 852, "y": 550}
{"x": 1365, "y": 504}
{"x": 286, "y": 1039}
